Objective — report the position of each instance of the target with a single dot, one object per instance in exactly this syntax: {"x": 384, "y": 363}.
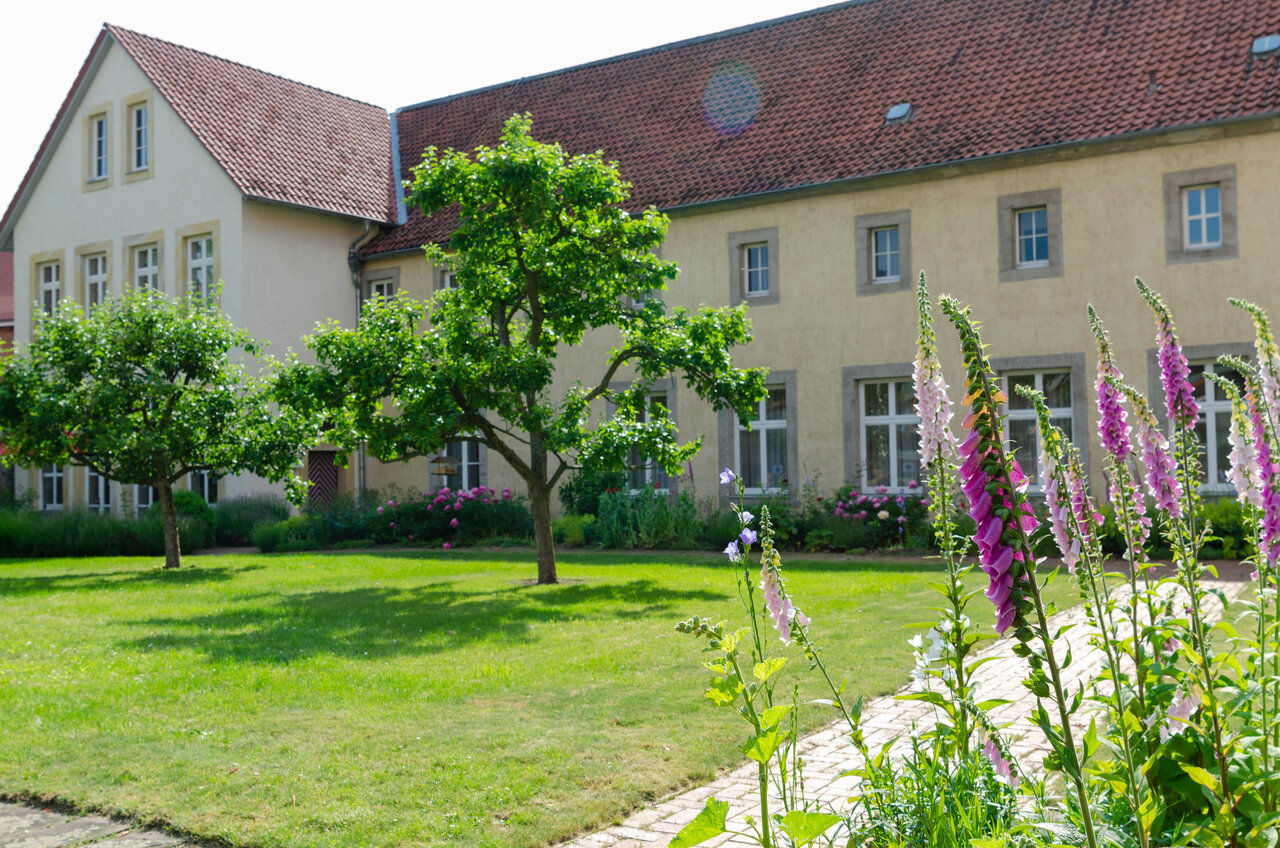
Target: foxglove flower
{"x": 1179, "y": 398}
{"x": 1179, "y": 714}
{"x": 1270, "y": 489}
{"x": 776, "y": 601}
{"x": 933, "y": 406}
{"x": 1268, "y": 356}
{"x": 1003, "y": 768}
{"x": 1246, "y": 469}
{"x": 1113, "y": 426}
{"x": 727, "y": 476}
{"x": 1162, "y": 477}
{"x": 993, "y": 483}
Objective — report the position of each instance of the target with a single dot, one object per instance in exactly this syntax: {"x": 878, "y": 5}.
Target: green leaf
{"x": 804, "y": 827}
{"x": 762, "y": 747}
{"x": 764, "y": 670}
{"x": 772, "y": 716}
{"x": 706, "y": 825}
{"x": 723, "y": 691}
{"x": 1202, "y": 777}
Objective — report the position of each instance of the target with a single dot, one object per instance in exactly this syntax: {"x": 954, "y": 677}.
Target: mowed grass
{"x": 396, "y": 699}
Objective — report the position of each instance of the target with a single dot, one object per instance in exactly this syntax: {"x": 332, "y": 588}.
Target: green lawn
{"x": 398, "y": 698}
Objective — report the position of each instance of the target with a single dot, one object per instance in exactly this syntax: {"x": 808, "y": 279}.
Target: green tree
{"x": 144, "y": 390}
{"x": 544, "y": 255}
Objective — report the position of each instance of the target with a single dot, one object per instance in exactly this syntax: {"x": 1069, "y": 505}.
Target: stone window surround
{"x": 102, "y": 111}
{"x": 739, "y": 240}
{"x": 1174, "y": 251}
{"x": 1073, "y": 362}
{"x": 83, "y": 252}
{"x": 667, "y": 386}
{"x": 1007, "y": 207}
{"x": 726, "y": 432}
{"x": 128, "y": 173}
{"x": 851, "y": 379}
{"x": 862, "y": 228}
{"x": 182, "y": 237}
{"x": 378, "y": 275}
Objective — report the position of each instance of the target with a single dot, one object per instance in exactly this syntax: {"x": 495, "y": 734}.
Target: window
{"x": 1202, "y": 217}
{"x": 882, "y": 252}
{"x": 50, "y": 275}
{"x": 1214, "y": 423}
{"x": 382, "y": 289}
{"x": 204, "y": 484}
{"x": 1020, "y": 415}
{"x": 885, "y": 258}
{"x": 890, "y": 434}
{"x": 448, "y": 279}
{"x": 1033, "y": 237}
{"x": 99, "y": 154}
{"x": 755, "y": 270}
{"x": 51, "y": 487}
{"x": 762, "y": 450}
{"x": 139, "y": 137}
{"x": 146, "y": 267}
{"x": 1029, "y": 235}
{"x": 467, "y": 453}
{"x": 98, "y": 493}
{"x": 143, "y": 498}
{"x": 644, "y": 473}
{"x": 200, "y": 264}
{"x": 753, "y": 267}
{"x": 95, "y": 279}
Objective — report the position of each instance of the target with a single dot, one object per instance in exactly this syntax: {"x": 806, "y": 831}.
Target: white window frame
{"x": 99, "y": 148}
{"x": 95, "y": 279}
{"x": 200, "y": 268}
{"x": 142, "y": 504}
{"x": 383, "y": 288}
{"x": 449, "y": 279}
{"x": 1056, "y": 413}
{"x": 890, "y": 254}
{"x": 892, "y": 420}
{"x": 54, "y": 476}
{"x": 50, "y": 274}
{"x": 1202, "y": 218}
{"x": 146, "y": 275}
{"x": 1215, "y": 478}
{"x": 643, "y": 472}
{"x": 97, "y": 492}
{"x": 1036, "y": 234}
{"x": 470, "y": 459}
{"x": 139, "y": 137}
{"x": 204, "y": 484}
{"x": 755, "y": 274}
{"x": 764, "y": 426}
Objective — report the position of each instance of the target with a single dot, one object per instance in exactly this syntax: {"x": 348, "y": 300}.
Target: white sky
{"x": 389, "y": 52}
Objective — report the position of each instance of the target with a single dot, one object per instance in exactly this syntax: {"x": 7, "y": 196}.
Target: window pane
{"x": 1057, "y": 389}
{"x": 1201, "y": 438}
{"x": 908, "y": 453}
{"x": 1026, "y": 226}
{"x": 749, "y": 458}
{"x": 882, "y": 265}
{"x": 1193, "y": 202}
{"x": 1213, "y": 230}
{"x": 1211, "y": 206}
{"x": 1041, "y": 219}
{"x": 1017, "y": 401}
{"x": 1198, "y": 381}
{"x": 1195, "y": 232}
{"x": 1042, "y": 248}
{"x": 878, "y": 456}
{"x": 1063, "y": 424}
{"x": 1222, "y": 424}
{"x": 877, "y": 398}
{"x": 881, "y": 238}
{"x": 904, "y": 397}
{"x": 776, "y": 444}
{"x": 1022, "y": 433}
{"x": 776, "y": 405}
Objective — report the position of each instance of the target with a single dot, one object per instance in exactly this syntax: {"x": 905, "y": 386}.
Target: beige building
{"x": 1030, "y": 159}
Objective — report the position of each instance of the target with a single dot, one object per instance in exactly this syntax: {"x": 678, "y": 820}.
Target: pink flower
{"x": 1113, "y": 426}
{"x": 777, "y": 603}
{"x": 1178, "y": 716}
{"x": 1003, "y": 768}
{"x": 453, "y": 522}
{"x": 1179, "y": 398}
{"x": 933, "y": 406}
{"x": 446, "y": 546}
{"x": 1162, "y": 480}
{"x": 379, "y": 510}
{"x": 1246, "y": 470}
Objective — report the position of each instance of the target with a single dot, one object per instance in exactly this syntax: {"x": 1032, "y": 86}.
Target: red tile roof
{"x": 277, "y": 139}
{"x": 802, "y": 100}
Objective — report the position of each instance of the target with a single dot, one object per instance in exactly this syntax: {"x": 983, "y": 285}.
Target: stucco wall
{"x": 1112, "y": 229}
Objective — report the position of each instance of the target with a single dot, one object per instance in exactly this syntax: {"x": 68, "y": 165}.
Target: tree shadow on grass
{"x": 72, "y": 580}
{"x": 377, "y": 622}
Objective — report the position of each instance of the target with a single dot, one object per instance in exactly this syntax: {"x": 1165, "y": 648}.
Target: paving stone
{"x": 642, "y": 818}
{"x": 139, "y": 839}
{"x": 72, "y": 832}
{"x": 15, "y": 820}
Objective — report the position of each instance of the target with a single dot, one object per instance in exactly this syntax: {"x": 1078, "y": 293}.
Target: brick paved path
{"x": 826, "y": 755}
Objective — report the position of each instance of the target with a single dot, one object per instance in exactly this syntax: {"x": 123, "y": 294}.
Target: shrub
{"x": 272, "y": 537}
{"x": 574, "y": 531}
{"x": 717, "y": 529}
{"x": 580, "y": 493}
{"x": 79, "y": 533}
{"x": 239, "y": 517}
{"x": 879, "y": 520}
{"x": 647, "y": 519}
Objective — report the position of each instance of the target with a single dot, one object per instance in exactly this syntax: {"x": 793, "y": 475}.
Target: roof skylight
{"x": 898, "y": 113}
{"x": 1266, "y": 44}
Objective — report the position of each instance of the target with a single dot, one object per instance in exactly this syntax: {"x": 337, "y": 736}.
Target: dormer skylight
{"x": 1266, "y": 44}
{"x": 898, "y": 113}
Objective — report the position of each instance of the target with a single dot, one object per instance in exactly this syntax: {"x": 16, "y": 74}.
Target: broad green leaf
{"x": 774, "y": 715}
{"x": 707, "y": 824}
{"x": 723, "y": 691}
{"x": 764, "y": 670}
{"x": 761, "y": 748}
{"x": 1202, "y": 777}
{"x": 804, "y": 827}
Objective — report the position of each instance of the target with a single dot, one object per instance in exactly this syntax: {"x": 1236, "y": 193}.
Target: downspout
{"x": 353, "y": 262}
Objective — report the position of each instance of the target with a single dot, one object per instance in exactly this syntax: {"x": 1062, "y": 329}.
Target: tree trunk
{"x": 172, "y": 553}
{"x": 540, "y": 508}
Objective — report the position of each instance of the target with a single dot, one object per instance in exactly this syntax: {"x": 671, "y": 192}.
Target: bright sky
{"x": 391, "y": 53}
